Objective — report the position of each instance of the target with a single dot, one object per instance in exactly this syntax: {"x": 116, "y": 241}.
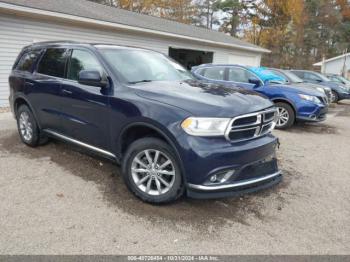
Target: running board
{"x": 82, "y": 144}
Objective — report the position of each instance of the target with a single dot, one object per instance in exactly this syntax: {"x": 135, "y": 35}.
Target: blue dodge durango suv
{"x": 293, "y": 102}
{"x": 171, "y": 134}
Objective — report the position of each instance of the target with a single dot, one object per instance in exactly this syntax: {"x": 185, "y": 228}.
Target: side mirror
{"x": 91, "y": 78}
{"x": 256, "y": 82}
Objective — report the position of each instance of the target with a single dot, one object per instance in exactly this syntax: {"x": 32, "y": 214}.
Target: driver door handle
{"x": 65, "y": 91}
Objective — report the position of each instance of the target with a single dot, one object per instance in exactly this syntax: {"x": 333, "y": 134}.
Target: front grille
{"x": 328, "y": 94}
{"x": 323, "y": 99}
{"x": 250, "y": 126}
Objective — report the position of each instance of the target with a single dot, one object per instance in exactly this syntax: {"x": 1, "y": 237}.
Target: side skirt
{"x": 97, "y": 150}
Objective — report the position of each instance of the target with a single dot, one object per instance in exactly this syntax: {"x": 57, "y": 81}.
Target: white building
{"x": 23, "y": 22}
{"x": 339, "y": 65}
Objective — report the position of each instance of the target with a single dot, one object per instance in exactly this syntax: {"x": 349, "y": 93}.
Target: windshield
{"x": 293, "y": 77}
{"x": 137, "y": 65}
{"x": 343, "y": 79}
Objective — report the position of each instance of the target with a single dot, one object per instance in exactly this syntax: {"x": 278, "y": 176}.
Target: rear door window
{"x": 27, "y": 61}
{"x": 237, "y": 74}
{"x": 82, "y": 60}
{"x": 53, "y": 62}
{"x": 215, "y": 73}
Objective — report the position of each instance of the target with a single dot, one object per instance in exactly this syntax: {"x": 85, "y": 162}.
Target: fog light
{"x": 213, "y": 178}
{"x": 221, "y": 177}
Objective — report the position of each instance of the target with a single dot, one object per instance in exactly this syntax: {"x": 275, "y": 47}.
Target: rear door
{"x": 215, "y": 74}
{"x": 20, "y": 79}
{"x": 241, "y": 76}
{"x": 85, "y": 109}
{"x": 45, "y": 85}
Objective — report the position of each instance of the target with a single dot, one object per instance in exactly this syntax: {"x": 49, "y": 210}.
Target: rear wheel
{"x": 151, "y": 171}
{"x": 285, "y": 115}
{"x": 28, "y": 128}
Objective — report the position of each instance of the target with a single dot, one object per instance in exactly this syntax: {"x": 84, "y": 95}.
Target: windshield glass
{"x": 343, "y": 79}
{"x": 137, "y": 65}
{"x": 292, "y": 77}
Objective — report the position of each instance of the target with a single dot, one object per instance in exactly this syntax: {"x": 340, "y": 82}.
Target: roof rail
{"x": 56, "y": 42}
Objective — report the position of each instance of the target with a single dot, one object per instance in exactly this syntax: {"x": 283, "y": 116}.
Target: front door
{"x": 85, "y": 109}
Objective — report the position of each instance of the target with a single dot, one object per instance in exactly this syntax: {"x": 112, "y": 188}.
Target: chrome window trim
{"x": 77, "y": 142}
{"x": 237, "y": 184}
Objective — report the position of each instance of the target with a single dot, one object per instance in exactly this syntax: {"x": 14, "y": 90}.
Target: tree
{"x": 206, "y": 13}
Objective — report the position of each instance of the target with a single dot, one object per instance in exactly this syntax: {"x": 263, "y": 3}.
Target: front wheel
{"x": 151, "y": 171}
{"x": 285, "y": 115}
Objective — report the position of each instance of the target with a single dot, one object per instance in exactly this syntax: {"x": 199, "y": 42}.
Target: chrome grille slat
{"x": 263, "y": 120}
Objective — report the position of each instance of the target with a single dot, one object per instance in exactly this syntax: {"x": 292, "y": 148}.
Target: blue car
{"x": 293, "y": 103}
{"x": 339, "y": 90}
{"x": 171, "y": 134}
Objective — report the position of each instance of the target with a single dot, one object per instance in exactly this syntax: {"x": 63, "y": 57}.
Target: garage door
{"x": 243, "y": 60}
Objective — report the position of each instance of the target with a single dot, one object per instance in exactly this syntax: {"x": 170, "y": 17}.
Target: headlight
{"x": 310, "y": 98}
{"x": 321, "y": 90}
{"x": 200, "y": 126}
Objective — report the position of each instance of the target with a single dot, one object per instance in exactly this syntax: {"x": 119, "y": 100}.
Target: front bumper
{"x": 343, "y": 95}
{"x": 234, "y": 189}
{"x": 252, "y": 163}
{"x": 312, "y": 113}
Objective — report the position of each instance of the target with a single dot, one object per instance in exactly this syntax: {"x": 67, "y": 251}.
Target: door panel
{"x": 45, "y": 85}
{"x": 46, "y": 99}
{"x": 85, "y": 113}
{"x": 85, "y": 110}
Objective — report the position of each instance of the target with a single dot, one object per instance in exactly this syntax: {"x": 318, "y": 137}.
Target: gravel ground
{"x": 58, "y": 200}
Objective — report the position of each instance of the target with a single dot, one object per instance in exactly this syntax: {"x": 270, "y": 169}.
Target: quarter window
{"x": 216, "y": 73}
{"x": 53, "y": 62}
{"x": 237, "y": 74}
{"x": 27, "y": 60}
{"x": 82, "y": 60}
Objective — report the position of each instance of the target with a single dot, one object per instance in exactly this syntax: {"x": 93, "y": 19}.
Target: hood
{"x": 310, "y": 86}
{"x": 296, "y": 88}
{"x": 203, "y": 99}
{"x": 330, "y": 84}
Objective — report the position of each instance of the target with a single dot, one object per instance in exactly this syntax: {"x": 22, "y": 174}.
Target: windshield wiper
{"x": 140, "y": 81}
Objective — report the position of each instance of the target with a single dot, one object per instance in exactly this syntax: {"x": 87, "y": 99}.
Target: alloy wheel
{"x": 153, "y": 172}
{"x": 25, "y": 126}
{"x": 282, "y": 116}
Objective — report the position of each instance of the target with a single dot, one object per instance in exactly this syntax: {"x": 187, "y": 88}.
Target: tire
{"x": 334, "y": 97}
{"x": 287, "y": 111}
{"x": 28, "y": 128}
{"x": 136, "y": 158}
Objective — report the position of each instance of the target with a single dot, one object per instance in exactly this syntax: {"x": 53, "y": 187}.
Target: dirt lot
{"x": 58, "y": 200}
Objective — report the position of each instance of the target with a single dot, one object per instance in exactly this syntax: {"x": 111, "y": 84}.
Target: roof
{"x": 84, "y": 10}
{"x": 331, "y": 59}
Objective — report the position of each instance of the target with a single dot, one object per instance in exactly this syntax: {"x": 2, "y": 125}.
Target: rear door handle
{"x": 65, "y": 91}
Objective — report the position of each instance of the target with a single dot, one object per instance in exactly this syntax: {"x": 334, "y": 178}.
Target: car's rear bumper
{"x": 234, "y": 189}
